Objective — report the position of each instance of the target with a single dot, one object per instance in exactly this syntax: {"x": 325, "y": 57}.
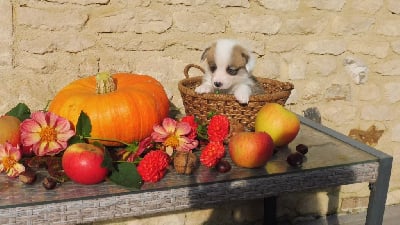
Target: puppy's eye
{"x": 213, "y": 68}
{"x": 232, "y": 70}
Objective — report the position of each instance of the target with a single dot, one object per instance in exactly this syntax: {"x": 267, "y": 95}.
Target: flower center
{"x": 8, "y": 162}
{"x": 172, "y": 141}
{"x": 48, "y": 134}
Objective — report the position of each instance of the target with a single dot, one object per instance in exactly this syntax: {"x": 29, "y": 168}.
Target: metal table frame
{"x": 198, "y": 194}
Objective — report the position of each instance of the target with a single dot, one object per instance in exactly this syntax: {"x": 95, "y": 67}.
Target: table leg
{"x": 379, "y": 189}
{"x": 270, "y": 210}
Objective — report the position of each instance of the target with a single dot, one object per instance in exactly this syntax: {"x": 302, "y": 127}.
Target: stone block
{"x": 6, "y": 22}
{"x": 393, "y": 6}
{"x": 379, "y": 49}
{"x": 321, "y": 65}
{"x": 267, "y": 67}
{"x": 330, "y": 47}
{"x": 297, "y": 68}
{"x": 199, "y": 22}
{"x": 49, "y": 19}
{"x": 282, "y": 5}
{"x": 338, "y": 92}
{"x": 183, "y": 2}
{"x": 326, "y": 4}
{"x": 367, "y": 6}
{"x": 389, "y": 26}
{"x": 388, "y": 68}
{"x": 393, "y": 197}
{"x": 133, "y": 42}
{"x": 264, "y": 24}
{"x": 354, "y": 204}
{"x": 81, "y": 2}
{"x": 377, "y": 112}
{"x": 312, "y": 90}
{"x": 392, "y": 92}
{"x": 344, "y": 114}
{"x": 6, "y": 56}
{"x": 279, "y": 45}
{"x": 304, "y": 25}
{"x": 354, "y": 190}
{"x": 396, "y": 133}
{"x": 139, "y": 20}
{"x": 395, "y": 46}
{"x": 234, "y": 3}
{"x": 345, "y": 25}
{"x": 369, "y": 92}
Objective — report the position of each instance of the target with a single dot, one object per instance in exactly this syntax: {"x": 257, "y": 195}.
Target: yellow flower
{"x": 9, "y": 157}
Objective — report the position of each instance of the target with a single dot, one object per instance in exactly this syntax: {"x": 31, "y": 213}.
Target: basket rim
{"x": 229, "y": 97}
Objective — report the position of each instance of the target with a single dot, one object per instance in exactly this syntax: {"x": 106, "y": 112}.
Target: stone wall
{"x": 342, "y": 56}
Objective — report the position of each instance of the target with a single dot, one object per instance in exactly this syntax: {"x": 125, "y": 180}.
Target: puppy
{"x": 228, "y": 70}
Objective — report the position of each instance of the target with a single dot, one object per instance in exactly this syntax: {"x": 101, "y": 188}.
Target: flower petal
{"x": 29, "y": 139}
{"x": 183, "y": 128}
{"x": 65, "y": 136}
{"x": 40, "y": 118}
{"x": 169, "y": 125}
{"x": 30, "y": 126}
{"x": 16, "y": 170}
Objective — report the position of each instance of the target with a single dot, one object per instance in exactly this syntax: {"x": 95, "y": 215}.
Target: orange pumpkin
{"x": 121, "y": 107}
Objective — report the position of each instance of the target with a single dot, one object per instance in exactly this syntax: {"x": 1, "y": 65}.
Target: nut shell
{"x": 185, "y": 162}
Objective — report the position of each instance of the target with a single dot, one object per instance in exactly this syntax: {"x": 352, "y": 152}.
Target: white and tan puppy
{"x": 228, "y": 70}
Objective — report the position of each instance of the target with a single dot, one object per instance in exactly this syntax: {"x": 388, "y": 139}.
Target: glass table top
{"x": 324, "y": 151}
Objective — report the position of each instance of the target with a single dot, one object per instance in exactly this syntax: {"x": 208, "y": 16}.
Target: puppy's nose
{"x": 217, "y": 84}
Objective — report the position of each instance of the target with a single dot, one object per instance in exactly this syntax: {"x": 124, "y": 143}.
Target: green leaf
{"x": 108, "y": 161}
{"x": 21, "y": 111}
{"x": 83, "y": 126}
{"x": 126, "y": 175}
{"x": 75, "y": 139}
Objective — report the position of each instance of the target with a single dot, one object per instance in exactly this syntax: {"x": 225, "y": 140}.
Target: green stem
{"x": 106, "y": 139}
{"x": 105, "y": 83}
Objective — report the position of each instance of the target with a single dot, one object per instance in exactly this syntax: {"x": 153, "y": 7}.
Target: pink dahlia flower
{"x": 46, "y": 133}
{"x": 9, "y": 157}
{"x": 174, "y": 135}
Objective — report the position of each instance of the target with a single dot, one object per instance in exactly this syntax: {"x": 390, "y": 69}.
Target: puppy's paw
{"x": 243, "y": 99}
{"x": 204, "y": 88}
{"x": 242, "y": 94}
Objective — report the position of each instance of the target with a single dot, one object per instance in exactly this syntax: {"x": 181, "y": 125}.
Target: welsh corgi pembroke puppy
{"x": 228, "y": 70}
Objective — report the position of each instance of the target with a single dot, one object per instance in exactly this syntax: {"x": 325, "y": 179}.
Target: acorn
{"x": 49, "y": 183}
{"x": 28, "y": 176}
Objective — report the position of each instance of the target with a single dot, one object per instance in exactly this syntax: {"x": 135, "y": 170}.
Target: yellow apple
{"x": 9, "y": 130}
{"x": 280, "y": 123}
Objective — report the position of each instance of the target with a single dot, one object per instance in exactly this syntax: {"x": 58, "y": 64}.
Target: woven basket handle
{"x": 187, "y": 68}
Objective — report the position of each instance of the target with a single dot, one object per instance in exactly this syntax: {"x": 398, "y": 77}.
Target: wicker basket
{"x": 200, "y": 105}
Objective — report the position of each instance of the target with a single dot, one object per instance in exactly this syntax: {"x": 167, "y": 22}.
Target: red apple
{"x": 9, "y": 130}
{"x": 281, "y": 124}
{"x": 251, "y": 149}
{"x": 82, "y": 163}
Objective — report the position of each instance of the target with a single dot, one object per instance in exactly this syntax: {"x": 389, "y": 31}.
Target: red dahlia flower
{"x": 212, "y": 153}
{"x": 218, "y": 128}
{"x": 153, "y": 166}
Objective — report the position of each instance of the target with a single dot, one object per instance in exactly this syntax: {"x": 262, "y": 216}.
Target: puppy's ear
{"x": 205, "y": 53}
{"x": 246, "y": 56}
{"x": 241, "y": 57}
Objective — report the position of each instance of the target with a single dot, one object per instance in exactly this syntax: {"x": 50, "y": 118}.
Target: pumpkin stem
{"x": 105, "y": 83}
